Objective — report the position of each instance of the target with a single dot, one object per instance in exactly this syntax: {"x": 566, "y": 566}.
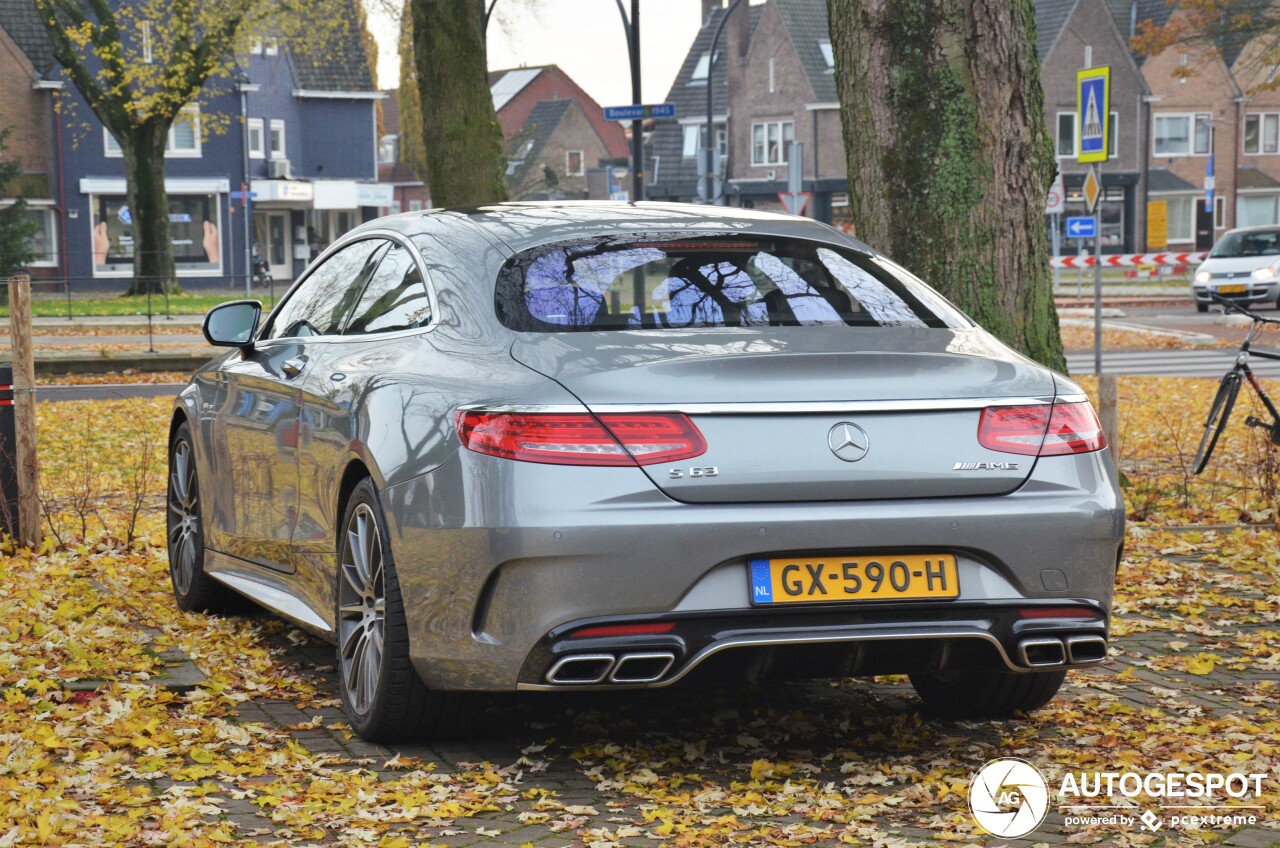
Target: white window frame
{"x": 701, "y": 71}
{"x": 1262, "y": 118}
{"x": 692, "y": 142}
{"x": 283, "y": 152}
{"x": 44, "y": 209}
{"x": 773, "y": 85}
{"x": 171, "y": 151}
{"x": 271, "y": 46}
{"x": 1192, "y": 118}
{"x": 828, "y": 55}
{"x": 259, "y": 150}
{"x": 582, "y": 163}
{"x": 111, "y": 148}
{"x": 147, "y": 55}
{"x": 255, "y": 46}
{"x": 763, "y": 160}
{"x": 1195, "y": 200}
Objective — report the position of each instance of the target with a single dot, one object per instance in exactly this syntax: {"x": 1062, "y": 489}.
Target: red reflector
{"x": 1041, "y": 430}
{"x": 1057, "y": 612}
{"x": 624, "y": 630}
{"x": 581, "y": 438}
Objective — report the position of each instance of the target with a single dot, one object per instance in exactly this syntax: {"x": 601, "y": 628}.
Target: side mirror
{"x": 232, "y": 324}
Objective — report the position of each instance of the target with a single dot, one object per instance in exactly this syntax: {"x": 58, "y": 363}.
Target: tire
{"x": 384, "y": 698}
{"x": 194, "y": 590}
{"x": 987, "y": 694}
{"x": 1219, "y": 412}
{"x": 1204, "y": 307}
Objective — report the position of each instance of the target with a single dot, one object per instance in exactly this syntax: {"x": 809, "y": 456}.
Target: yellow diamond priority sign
{"x": 1092, "y": 190}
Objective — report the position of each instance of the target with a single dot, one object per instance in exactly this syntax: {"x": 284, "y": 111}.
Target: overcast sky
{"x": 584, "y": 37}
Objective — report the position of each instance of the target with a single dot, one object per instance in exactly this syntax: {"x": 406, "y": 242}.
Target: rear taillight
{"x": 580, "y": 438}
{"x": 1041, "y": 430}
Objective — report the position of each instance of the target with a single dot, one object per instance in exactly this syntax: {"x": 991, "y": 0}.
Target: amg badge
{"x": 985, "y": 466}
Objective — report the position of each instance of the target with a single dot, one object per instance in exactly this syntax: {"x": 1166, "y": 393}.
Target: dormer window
{"x": 700, "y": 70}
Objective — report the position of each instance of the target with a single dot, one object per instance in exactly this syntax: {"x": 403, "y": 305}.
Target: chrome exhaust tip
{"x": 1086, "y": 650}
{"x": 581, "y": 669}
{"x": 1042, "y": 653}
{"x": 642, "y": 668}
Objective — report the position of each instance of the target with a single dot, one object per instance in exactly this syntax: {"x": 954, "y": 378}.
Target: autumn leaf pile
{"x": 95, "y": 750}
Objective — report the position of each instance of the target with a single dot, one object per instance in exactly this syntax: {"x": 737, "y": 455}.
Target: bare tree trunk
{"x": 465, "y": 161}
{"x": 153, "y": 267}
{"x": 949, "y": 156}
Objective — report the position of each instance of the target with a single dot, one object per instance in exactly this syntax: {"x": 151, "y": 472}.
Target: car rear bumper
{"x": 493, "y": 579}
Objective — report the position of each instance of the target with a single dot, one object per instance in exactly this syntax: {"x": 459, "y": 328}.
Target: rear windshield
{"x": 636, "y": 283}
{"x": 1253, "y": 243}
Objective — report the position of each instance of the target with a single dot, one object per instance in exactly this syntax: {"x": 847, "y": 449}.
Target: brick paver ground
{"x": 876, "y": 719}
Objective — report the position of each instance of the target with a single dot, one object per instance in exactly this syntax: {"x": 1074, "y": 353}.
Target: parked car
{"x": 548, "y": 447}
{"x": 1244, "y": 265}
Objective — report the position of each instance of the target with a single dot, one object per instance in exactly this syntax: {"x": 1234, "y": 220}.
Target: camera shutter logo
{"x": 1008, "y": 798}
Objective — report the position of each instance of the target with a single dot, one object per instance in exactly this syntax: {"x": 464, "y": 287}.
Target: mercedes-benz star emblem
{"x": 848, "y": 441}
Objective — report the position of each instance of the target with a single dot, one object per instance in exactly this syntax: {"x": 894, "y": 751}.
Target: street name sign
{"x": 639, "y": 111}
{"x": 1082, "y": 227}
{"x": 1093, "y": 113}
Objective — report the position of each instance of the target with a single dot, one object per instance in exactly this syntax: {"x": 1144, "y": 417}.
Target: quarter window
{"x": 395, "y": 298}
{"x": 327, "y": 296}
{"x": 257, "y": 145}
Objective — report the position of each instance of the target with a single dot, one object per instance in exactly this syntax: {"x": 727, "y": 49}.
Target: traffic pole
{"x": 26, "y": 459}
{"x": 1097, "y": 278}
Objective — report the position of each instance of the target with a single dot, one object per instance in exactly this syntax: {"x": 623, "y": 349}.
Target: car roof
{"x": 522, "y": 225}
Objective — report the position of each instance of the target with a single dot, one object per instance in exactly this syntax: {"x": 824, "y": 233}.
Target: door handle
{"x": 293, "y": 367}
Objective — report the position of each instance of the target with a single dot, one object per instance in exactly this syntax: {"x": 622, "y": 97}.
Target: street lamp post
{"x": 710, "y": 146}
{"x": 637, "y": 126}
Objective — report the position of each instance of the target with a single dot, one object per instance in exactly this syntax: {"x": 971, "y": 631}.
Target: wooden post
{"x": 1109, "y": 412}
{"x": 24, "y": 409}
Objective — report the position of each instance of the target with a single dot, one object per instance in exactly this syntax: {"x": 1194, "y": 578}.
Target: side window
{"x": 324, "y": 300}
{"x": 395, "y": 298}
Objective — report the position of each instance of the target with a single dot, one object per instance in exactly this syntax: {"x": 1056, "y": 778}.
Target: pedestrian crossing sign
{"x": 1093, "y": 109}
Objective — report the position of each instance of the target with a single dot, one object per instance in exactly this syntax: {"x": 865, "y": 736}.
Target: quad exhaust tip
{"x": 1042, "y": 653}
{"x": 581, "y": 669}
{"x": 1054, "y": 653}
{"x": 1086, "y": 650}
{"x": 642, "y": 668}
{"x": 587, "y": 669}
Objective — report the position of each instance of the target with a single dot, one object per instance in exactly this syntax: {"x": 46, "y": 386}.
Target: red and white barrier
{"x": 1129, "y": 260}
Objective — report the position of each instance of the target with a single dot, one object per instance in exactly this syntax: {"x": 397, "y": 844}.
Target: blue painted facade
{"x": 329, "y": 185}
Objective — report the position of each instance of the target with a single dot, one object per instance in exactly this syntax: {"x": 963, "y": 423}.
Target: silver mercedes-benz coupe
{"x": 604, "y": 446}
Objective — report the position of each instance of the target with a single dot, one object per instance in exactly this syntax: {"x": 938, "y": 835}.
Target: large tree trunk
{"x": 153, "y": 268}
{"x": 463, "y": 141}
{"x": 949, "y": 157}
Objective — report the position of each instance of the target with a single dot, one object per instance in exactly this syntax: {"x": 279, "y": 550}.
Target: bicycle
{"x": 1229, "y": 388}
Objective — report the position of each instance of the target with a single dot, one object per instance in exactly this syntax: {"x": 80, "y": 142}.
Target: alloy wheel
{"x": 184, "y": 517}
{"x": 362, "y": 608}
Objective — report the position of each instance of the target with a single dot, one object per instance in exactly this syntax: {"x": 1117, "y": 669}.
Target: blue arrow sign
{"x": 1083, "y": 227}
{"x": 639, "y": 111}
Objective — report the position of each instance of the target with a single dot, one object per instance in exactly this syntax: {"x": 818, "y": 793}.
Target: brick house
{"x": 1074, "y": 34}
{"x": 549, "y": 157}
{"x": 28, "y": 95}
{"x": 299, "y": 134}
{"x": 772, "y": 83}
{"x": 409, "y": 193}
{"x": 1257, "y": 155}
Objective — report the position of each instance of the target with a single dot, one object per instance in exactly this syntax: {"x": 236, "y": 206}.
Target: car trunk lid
{"x": 808, "y": 415}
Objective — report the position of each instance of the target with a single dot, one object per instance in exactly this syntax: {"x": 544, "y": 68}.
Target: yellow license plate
{"x": 1231, "y": 289}
{"x": 832, "y": 579}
